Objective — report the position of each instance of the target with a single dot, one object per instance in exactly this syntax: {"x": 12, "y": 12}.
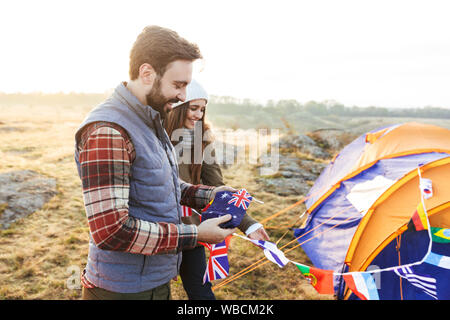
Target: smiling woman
{"x": 187, "y": 121}
{"x": 185, "y": 116}
{"x": 194, "y": 113}
{"x": 187, "y": 113}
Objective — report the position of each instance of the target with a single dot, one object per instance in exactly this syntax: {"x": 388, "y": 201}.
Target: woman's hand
{"x": 259, "y": 234}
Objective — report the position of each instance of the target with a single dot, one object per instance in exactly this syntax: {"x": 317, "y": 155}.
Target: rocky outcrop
{"x": 22, "y": 193}
{"x": 294, "y": 177}
{"x": 301, "y": 160}
{"x": 303, "y": 144}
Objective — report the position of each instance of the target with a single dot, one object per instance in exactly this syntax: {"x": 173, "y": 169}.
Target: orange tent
{"x": 360, "y": 206}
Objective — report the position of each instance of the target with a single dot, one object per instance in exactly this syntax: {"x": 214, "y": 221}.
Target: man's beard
{"x": 157, "y": 101}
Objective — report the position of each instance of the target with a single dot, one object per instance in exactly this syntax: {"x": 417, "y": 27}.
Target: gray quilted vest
{"x": 154, "y": 196}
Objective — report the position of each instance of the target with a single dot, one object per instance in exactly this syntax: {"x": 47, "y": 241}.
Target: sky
{"x": 367, "y": 53}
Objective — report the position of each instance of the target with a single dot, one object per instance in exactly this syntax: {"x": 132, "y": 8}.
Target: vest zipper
{"x": 143, "y": 265}
{"x": 170, "y": 153}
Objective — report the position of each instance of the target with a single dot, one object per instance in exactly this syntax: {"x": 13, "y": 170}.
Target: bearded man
{"x": 129, "y": 173}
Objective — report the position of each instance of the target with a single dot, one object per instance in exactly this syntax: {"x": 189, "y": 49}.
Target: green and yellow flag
{"x": 440, "y": 235}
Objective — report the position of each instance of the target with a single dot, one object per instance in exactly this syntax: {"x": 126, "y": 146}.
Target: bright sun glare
{"x": 383, "y": 53}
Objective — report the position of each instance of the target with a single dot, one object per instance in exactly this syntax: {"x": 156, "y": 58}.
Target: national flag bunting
{"x": 218, "y": 266}
{"x": 241, "y": 199}
{"x": 186, "y": 211}
{"x": 419, "y": 220}
{"x": 438, "y": 260}
{"x": 271, "y": 252}
{"x": 362, "y": 285}
{"x": 440, "y": 235}
{"x": 423, "y": 282}
{"x": 426, "y": 188}
{"x": 226, "y": 202}
{"x": 321, "y": 280}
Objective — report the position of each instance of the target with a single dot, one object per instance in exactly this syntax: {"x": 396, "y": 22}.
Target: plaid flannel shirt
{"x": 106, "y": 154}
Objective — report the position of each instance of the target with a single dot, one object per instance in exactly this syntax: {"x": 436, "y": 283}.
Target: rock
{"x": 296, "y": 173}
{"x": 304, "y": 144}
{"x": 285, "y": 187}
{"x": 333, "y": 140}
{"x": 293, "y": 176}
{"x": 22, "y": 193}
{"x": 313, "y": 168}
{"x": 296, "y": 141}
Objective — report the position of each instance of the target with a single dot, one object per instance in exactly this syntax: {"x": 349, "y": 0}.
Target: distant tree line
{"x": 246, "y": 109}
{"x": 326, "y": 108}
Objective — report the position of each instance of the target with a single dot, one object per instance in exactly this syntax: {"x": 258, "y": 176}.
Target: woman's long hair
{"x": 175, "y": 120}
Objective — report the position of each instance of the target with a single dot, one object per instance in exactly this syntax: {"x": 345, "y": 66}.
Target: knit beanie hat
{"x": 194, "y": 91}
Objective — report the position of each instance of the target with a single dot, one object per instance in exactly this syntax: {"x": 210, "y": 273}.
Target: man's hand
{"x": 210, "y": 232}
{"x": 219, "y": 189}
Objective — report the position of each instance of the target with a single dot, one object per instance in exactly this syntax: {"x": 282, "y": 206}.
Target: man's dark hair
{"x": 160, "y": 46}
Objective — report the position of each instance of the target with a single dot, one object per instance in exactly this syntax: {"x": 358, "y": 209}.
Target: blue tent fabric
{"x": 411, "y": 247}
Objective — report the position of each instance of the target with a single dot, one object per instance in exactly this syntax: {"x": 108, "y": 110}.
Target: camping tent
{"x": 360, "y": 206}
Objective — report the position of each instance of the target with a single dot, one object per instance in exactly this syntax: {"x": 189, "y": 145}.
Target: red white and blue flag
{"x": 271, "y": 251}
{"x": 241, "y": 199}
{"x": 226, "y": 202}
{"x": 218, "y": 266}
{"x": 186, "y": 211}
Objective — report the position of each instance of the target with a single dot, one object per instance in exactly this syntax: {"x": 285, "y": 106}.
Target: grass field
{"x": 41, "y": 255}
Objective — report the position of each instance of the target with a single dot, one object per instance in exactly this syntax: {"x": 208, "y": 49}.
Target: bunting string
{"x": 353, "y": 279}
{"x": 261, "y": 262}
{"x": 303, "y": 199}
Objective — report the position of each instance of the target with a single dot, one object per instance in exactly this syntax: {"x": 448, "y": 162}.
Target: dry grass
{"x": 39, "y": 252}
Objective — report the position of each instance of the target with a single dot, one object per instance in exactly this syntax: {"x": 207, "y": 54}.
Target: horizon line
{"x": 239, "y": 99}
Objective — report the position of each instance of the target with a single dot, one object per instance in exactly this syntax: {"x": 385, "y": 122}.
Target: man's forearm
{"x": 195, "y": 196}
{"x": 134, "y": 235}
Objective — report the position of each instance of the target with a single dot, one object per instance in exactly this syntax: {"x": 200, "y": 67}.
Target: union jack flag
{"x": 218, "y": 266}
{"x": 241, "y": 199}
{"x": 186, "y": 211}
